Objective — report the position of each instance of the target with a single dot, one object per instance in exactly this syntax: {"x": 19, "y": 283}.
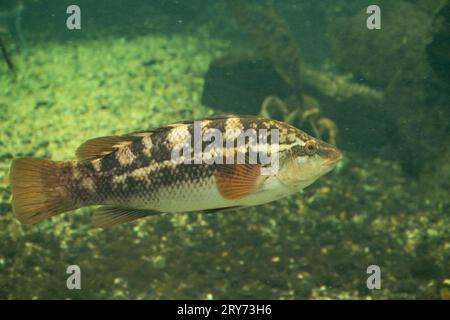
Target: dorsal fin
{"x": 99, "y": 147}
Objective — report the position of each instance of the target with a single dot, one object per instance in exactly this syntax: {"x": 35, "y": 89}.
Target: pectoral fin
{"x": 235, "y": 181}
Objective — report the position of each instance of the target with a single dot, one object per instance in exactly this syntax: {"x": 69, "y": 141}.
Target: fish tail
{"x": 39, "y": 189}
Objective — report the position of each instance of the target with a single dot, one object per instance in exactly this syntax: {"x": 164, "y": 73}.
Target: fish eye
{"x": 310, "y": 147}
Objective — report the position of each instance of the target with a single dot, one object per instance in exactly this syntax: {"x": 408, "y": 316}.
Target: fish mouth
{"x": 329, "y": 153}
{"x": 333, "y": 157}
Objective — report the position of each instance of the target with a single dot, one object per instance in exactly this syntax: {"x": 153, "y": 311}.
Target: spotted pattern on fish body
{"x": 135, "y": 175}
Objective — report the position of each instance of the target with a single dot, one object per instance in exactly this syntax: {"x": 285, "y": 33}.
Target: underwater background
{"x": 381, "y": 95}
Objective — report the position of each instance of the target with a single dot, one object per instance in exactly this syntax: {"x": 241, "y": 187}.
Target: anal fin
{"x": 109, "y": 216}
{"x": 224, "y": 209}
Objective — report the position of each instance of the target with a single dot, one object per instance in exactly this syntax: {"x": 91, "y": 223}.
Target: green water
{"x": 139, "y": 64}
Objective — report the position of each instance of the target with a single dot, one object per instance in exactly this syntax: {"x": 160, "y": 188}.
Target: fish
{"x": 213, "y": 164}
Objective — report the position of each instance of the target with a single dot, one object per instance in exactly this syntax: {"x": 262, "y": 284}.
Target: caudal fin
{"x": 38, "y": 189}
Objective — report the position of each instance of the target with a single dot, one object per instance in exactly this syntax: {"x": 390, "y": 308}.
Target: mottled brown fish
{"x": 135, "y": 175}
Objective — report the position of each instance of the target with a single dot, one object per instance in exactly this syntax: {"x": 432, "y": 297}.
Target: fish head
{"x": 307, "y": 160}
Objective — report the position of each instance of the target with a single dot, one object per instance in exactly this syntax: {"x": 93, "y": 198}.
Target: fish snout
{"x": 330, "y": 154}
